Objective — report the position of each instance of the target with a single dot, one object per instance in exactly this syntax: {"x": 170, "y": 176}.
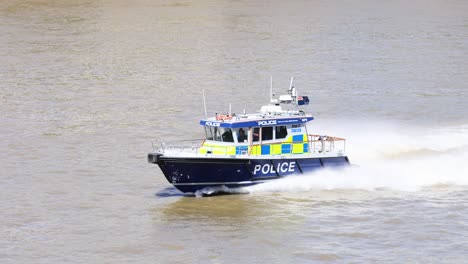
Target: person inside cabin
{"x": 227, "y": 136}
{"x": 255, "y": 134}
{"x": 242, "y": 137}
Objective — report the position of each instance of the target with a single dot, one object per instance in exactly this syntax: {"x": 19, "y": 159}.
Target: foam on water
{"x": 208, "y": 191}
{"x": 389, "y": 156}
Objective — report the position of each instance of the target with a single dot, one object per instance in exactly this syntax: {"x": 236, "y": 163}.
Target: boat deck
{"x": 320, "y": 146}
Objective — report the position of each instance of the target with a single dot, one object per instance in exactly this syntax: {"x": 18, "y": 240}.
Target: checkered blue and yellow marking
{"x": 295, "y": 144}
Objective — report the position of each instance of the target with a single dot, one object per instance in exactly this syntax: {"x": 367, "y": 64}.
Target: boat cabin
{"x": 256, "y": 134}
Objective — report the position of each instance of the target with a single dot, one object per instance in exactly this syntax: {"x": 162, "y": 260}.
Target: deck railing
{"x": 317, "y": 144}
{"x": 323, "y": 143}
{"x": 186, "y": 146}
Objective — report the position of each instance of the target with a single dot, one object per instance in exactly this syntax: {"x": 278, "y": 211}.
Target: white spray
{"x": 388, "y": 156}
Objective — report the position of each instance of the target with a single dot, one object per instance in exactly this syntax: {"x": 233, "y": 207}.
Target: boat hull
{"x": 196, "y": 173}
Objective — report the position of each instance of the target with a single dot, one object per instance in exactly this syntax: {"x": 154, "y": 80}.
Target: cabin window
{"x": 219, "y": 134}
{"x": 209, "y": 133}
{"x": 226, "y": 135}
{"x": 242, "y": 134}
{"x": 267, "y": 133}
{"x": 281, "y": 132}
{"x": 216, "y": 134}
{"x": 255, "y": 134}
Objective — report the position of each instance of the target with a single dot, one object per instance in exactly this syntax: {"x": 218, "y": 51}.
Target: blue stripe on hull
{"x": 192, "y": 174}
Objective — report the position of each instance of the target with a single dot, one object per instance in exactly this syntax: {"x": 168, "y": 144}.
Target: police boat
{"x": 246, "y": 149}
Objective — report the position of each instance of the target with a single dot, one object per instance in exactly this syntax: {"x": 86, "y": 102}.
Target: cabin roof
{"x": 256, "y": 120}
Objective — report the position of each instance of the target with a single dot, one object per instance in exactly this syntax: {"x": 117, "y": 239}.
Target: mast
{"x": 271, "y": 88}
{"x": 204, "y": 103}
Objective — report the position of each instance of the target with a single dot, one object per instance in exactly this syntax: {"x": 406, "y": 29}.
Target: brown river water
{"x": 86, "y": 85}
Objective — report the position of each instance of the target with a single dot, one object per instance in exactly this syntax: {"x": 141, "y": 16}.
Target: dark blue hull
{"x": 192, "y": 174}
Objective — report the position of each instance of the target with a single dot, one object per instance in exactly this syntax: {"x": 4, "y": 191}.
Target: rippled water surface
{"x": 86, "y": 85}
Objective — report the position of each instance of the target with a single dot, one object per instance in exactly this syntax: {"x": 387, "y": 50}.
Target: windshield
{"x": 219, "y": 134}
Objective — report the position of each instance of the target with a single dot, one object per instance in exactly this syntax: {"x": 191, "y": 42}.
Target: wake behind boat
{"x": 246, "y": 149}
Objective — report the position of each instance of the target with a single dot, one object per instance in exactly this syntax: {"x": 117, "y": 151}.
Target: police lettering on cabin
{"x": 214, "y": 124}
{"x": 282, "y": 167}
{"x": 266, "y": 122}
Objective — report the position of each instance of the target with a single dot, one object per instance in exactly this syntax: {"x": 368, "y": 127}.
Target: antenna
{"x": 271, "y": 88}
{"x": 292, "y": 90}
{"x": 204, "y": 103}
{"x": 291, "y": 84}
{"x": 229, "y": 108}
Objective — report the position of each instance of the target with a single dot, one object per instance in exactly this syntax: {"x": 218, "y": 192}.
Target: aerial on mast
{"x": 204, "y": 102}
{"x": 291, "y": 84}
{"x": 272, "y": 101}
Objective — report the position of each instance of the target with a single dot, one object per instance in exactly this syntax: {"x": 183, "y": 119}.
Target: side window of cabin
{"x": 255, "y": 134}
{"x": 242, "y": 134}
{"x": 281, "y": 132}
{"x": 219, "y": 134}
{"x": 226, "y": 135}
{"x": 267, "y": 133}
